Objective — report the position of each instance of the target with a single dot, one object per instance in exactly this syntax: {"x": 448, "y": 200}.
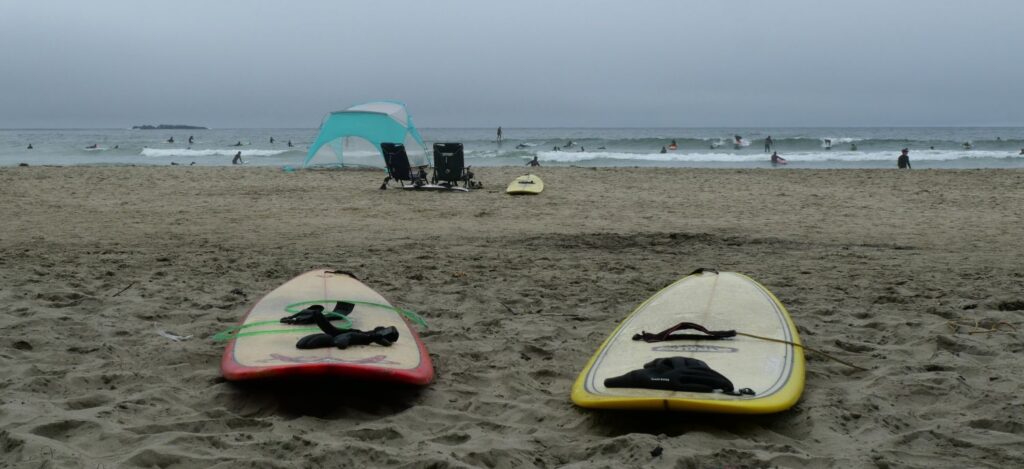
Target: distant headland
{"x": 168, "y": 127}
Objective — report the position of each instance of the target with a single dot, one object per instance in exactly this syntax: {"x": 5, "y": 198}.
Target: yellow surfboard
{"x": 526, "y": 185}
{"x": 774, "y": 371}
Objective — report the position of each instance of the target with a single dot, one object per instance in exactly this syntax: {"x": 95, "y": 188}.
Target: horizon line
{"x": 915, "y": 126}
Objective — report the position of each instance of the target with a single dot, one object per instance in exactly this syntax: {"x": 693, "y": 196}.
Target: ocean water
{"x": 988, "y": 147}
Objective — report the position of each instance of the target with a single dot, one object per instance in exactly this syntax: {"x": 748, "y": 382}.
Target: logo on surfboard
{"x": 695, "y": 349}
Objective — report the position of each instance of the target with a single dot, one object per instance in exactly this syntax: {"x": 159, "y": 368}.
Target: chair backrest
{"x": 449, "y": 162}
{"x": 397, "y": 161}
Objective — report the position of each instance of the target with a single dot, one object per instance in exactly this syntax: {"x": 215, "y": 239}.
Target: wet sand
{"x": 916, "y": 275}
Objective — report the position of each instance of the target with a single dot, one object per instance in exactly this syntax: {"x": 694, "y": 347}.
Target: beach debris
{"x": 172, "y": 336}
{"x": 981, "y": 326}
{"x": 22, "y": 345}
{"x": 1011, "y": 306}
{"x": 123, "y": 289}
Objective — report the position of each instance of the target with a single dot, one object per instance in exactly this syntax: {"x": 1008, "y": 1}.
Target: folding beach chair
{"x": 397, "y": 162}
{"x": 449, "y": 166}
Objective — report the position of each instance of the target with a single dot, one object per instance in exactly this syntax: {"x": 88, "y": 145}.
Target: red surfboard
{"x": 262, "y": 347}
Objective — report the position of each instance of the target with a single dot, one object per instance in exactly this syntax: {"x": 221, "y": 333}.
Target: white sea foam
{"x": 818, "y": 157}
{"x": 185, "y": 152}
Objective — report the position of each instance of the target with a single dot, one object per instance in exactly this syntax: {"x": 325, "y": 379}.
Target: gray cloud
{"x": 523, "y": 63}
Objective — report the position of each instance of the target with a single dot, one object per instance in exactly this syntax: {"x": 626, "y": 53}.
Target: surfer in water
{"x": 499, "y": 134}
{"x": 776, "y": 159}
{"x": 768, "y": 144}
{"x": 664, "y": 150}
{"x": 903, "y": 162}
{"x": 30, "y": 147}
{"x": 237, "y": 159}
{"x": 190, "y": 139}
{"x": 1021, "y": 150}
{"x": 853, "y": 147}
{"x": 533, "y": 162}
{"x": 673, "y": 146}
{"x": 170, "y": 140}
{"x": 238, "y": 144}
{"x": 271, "y": 140}
{"x": 92, "y": 147}
{"x": 520, "y": 146}
{"x": 828, "y": 143}
{"x": 290, "y": 143}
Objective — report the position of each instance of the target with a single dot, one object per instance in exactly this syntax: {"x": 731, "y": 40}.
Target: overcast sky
{"x": 516, "y": 63}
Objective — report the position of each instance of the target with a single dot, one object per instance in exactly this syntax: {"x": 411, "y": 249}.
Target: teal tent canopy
{"x": 376, "y": 122}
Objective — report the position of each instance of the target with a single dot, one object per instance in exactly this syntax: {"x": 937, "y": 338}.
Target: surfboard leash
{"x": 819, "y": 352}
{"x": 234, "y": 332}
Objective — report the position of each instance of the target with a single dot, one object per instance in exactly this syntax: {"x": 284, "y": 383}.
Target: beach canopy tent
{"x": 355, "y": 134}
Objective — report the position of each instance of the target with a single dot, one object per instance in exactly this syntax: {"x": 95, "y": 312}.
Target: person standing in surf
{"x": 903, "y": 162}
{"x": 499, "y": 134}
{"x": 768, "y": 144}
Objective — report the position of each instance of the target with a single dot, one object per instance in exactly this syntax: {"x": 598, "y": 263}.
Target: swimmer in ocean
{"x": 520, "y": 146}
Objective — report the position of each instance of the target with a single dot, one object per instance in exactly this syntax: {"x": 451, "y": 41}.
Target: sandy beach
{"x": 915, "y": 275}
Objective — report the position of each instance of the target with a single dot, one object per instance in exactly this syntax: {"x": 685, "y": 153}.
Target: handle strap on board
{"x": 667, "y": 334}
